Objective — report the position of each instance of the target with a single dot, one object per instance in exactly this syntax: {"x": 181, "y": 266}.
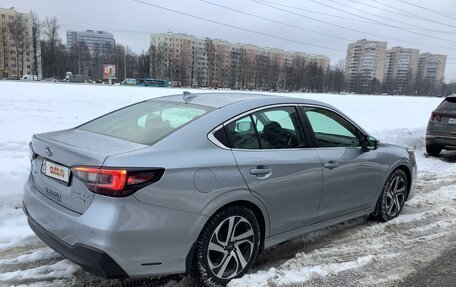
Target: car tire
{"x": 227, "y": 246}
{"x": 393, "y": 196}
{"x": 433, "y": 150}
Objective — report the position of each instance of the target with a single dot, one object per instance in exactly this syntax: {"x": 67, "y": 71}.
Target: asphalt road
{"x": 440, "y": 272}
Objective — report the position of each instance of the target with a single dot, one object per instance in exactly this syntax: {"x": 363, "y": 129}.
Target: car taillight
{"x": 116, "y": 182}
{"x": 436, "y": 117}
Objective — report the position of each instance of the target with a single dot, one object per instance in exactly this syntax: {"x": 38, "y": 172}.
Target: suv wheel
{"x": 433, "y": 150}
{"x": 227, "y": 246}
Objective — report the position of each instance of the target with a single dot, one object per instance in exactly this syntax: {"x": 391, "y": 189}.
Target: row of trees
{"x": 411, "y": 84}
{"x": 57, "y": 58}
{"x": 243, "y": 71}
{"x": 260, "y": 72}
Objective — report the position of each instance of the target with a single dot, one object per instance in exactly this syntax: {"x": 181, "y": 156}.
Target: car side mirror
{"x": 368, "y": 143}
{"x": 243, "y": 126}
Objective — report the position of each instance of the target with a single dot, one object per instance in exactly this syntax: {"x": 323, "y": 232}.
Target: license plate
{"x": 452, "y": 120}
{"x": 56, "y": 171}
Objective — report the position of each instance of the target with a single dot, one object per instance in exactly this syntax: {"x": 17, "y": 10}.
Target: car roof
{"x": 221, "y": 99}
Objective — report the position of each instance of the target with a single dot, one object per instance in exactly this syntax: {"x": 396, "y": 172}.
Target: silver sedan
{"x": 202, "y": 183}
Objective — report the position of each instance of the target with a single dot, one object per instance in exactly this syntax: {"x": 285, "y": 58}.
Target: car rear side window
{"x": 448, "y": 105}
{"x": 242, "y": 134}
{"x": 273, "y": 128}
{"x": 146, "y": 122}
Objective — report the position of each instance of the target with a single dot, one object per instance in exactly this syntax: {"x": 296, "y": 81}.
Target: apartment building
{"x": 365, "y": 61}
{"x": 432, "y": 67}
{"x": 16, "y": 49}
{"x": 97, "y": 42}
{"x": 401, "y": 68}
{"x": 214, "y": 62}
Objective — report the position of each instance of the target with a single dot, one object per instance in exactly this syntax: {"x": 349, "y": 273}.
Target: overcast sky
{"x": 312, "y": 26}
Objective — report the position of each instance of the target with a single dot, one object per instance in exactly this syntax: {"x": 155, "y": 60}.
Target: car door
{"x": 278, "y": 166}
{"x": 351, "y": 175}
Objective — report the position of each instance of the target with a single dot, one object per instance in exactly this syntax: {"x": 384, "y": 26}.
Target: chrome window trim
{"x": 214, "y": 140}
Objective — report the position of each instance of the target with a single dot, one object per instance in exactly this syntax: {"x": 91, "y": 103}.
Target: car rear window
{"x": 146, "y": 122}
{"x": 449, "y": 104}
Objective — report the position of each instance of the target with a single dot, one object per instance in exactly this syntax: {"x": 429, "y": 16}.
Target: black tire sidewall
{"x": 200, "y": 267}
{"x": 382, "y": 213}
{"x": 433, "y": 150}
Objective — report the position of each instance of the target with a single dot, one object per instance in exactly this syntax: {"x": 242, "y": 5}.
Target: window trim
{"x": 308, "y": 141}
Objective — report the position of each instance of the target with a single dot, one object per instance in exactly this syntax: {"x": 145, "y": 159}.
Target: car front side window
{"x": 331, "y": 129}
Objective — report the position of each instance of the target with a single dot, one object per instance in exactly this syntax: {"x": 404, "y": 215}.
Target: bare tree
{"x": 50, "y": 30}
{"x": 210, "y": 52}
{"x": 144, "y": 65}
{"x": 36, "y": 33}
{"x": 5, "y": 48}
{"x": 234, "y": 77}
{"x": 119, "y": 58}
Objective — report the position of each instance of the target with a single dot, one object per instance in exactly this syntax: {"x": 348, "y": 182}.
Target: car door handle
{"x": 260, "y": 171}
{"x": 331, "y": 164}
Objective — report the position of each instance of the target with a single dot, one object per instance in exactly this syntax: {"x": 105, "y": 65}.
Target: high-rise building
{"x": 196, "y": 61}
{"x": 432, "y": 67}
{"x": 16, "y": 49}
{"x": 365, "y": 62}
{"x": 401, "y": 68}
{"x": 97, "y": 42}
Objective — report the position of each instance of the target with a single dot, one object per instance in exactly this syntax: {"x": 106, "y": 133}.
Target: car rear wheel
{"x": 393, "y": 196}
{"x": 227, "y": 246}
{"x": 433, "y": 150}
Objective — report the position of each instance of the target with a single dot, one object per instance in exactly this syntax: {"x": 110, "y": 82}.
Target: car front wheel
{"x": 227, "y": 246}
{"x": 393, "y": 196}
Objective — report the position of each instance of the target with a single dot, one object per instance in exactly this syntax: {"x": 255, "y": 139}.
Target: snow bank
{"x": 292, "y": 272}
{"x": 36, "y": 255}
{"x": 28, "y": 107}
{"x": 61, "y": 269}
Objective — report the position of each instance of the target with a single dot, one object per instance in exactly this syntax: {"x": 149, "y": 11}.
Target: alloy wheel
{"x": 395, "y": 196}
{"x": 230, "y": 247}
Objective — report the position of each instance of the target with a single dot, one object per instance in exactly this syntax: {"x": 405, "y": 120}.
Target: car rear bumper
{"x": 115, "y": 237}
{"x": 90, "y": 259}
{"x": 446, "y": 141}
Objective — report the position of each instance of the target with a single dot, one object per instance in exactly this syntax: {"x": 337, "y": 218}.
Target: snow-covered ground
{"x": 356, "y": 253}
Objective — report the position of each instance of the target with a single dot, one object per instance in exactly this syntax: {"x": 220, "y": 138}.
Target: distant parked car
{"x": 29, "y": 78}
{"x": 202, "y": 183}
{"x": 441, "y": 129}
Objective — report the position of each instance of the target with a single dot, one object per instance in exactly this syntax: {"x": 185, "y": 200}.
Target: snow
{"x": 296, "y": 273}
{"x": 337, "y": 252}
{"x": 61, "y": 269}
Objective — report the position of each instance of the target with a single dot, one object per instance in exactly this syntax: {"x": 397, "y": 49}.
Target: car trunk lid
{"x": 58, "y": 151}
